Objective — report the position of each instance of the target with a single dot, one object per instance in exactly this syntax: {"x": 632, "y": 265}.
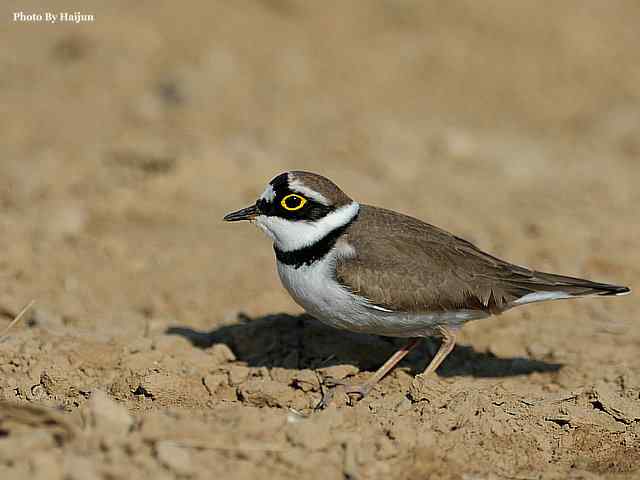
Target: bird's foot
{"x": 352, "y": 391}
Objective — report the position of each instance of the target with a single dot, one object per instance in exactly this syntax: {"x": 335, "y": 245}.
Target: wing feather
{"x": 404, "y": 264}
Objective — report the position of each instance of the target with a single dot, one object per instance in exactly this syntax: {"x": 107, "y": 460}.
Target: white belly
{"x": 315, "y": 289}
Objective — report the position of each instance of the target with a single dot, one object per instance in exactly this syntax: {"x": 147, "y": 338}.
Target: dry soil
{"x": 161, "y": 344}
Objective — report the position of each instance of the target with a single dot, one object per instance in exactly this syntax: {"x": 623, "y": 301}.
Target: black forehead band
{"x": 280, "y": 183}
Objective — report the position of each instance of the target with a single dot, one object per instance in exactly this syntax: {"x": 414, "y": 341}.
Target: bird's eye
{"x": 293, "y": 202}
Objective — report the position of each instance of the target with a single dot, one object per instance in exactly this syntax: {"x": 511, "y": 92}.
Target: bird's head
{"x": 297, "y": 209}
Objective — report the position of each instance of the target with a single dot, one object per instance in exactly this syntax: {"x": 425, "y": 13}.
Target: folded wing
{"x": 403, "y": 264}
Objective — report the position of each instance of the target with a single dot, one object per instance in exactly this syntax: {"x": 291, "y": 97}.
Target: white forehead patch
{"x": 297, "y": 186}
{"x": 269, "y": 194}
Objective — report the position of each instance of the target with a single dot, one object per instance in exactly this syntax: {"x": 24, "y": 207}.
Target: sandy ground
{"x": 161, "y": 344}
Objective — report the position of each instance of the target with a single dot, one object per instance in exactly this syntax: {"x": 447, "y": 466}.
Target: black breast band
{"x": 315, "y": 252}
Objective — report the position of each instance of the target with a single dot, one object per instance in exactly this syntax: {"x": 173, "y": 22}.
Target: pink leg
{"x": 392, "y": 362}
{"x": 364, "y": 388}
{"x": 448, "y": 342}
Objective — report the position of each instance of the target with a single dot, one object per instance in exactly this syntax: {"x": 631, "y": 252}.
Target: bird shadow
{"x": 299, "y": 342}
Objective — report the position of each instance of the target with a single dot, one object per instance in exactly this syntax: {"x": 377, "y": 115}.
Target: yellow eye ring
{"x": 293, "y": 208}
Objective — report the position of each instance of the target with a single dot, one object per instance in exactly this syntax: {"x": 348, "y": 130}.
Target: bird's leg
{"x": 363, "y": 389}
{"x": 448, "y": 342}
{"x": 389, "y": 364}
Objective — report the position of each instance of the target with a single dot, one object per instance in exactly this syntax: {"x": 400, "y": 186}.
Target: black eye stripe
{"x": 310, "y": 210}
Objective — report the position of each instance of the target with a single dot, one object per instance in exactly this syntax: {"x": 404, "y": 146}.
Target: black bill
{"x": 249, "y": 213}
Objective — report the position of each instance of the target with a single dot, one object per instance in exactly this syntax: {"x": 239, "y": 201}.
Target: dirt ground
{"x": 161, "y": 344}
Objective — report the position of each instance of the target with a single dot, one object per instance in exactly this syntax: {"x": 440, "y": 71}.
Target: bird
{"x": 367, "y": 269}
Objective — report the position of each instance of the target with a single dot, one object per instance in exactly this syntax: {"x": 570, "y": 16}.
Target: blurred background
{"x": 124, "y": 141}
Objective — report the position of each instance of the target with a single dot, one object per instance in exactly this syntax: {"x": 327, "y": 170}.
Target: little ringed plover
{"x": 366, "y": 269}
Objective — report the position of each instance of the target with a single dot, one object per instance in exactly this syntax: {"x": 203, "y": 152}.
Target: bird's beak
{"x": 249, "y": 213}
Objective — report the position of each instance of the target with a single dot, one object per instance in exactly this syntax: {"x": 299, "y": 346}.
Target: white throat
{"x": 289, "y": 235}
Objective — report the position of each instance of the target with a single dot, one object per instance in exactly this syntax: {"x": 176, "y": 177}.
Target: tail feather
{"x": 540, "y": 286}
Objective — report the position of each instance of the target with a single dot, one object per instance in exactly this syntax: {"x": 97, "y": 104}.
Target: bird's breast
{"x": 315, "y": 289}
